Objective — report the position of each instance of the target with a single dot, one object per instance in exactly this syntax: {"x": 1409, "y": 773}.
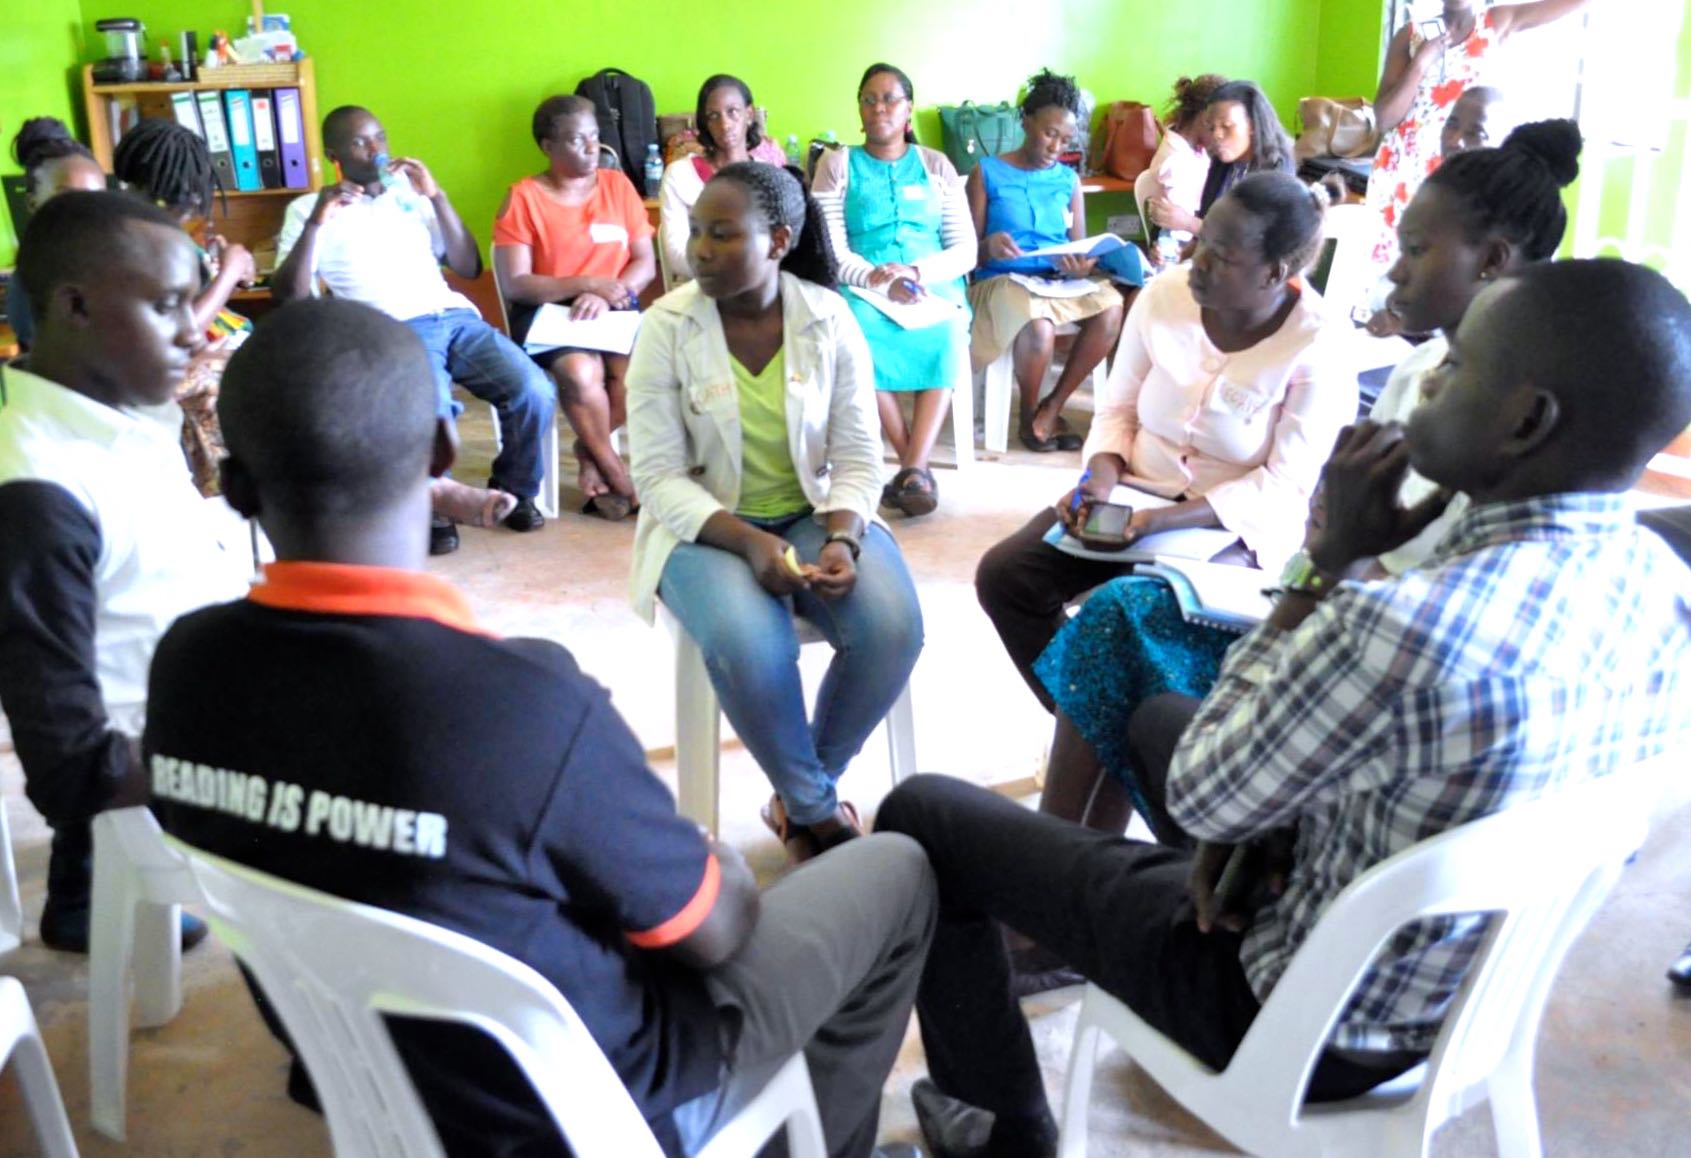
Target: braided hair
{"x": 724, "y": 80}
{"x": 1292, "y": 216}
{"x": 897, "y": 73}
{"x": 1047, "y": 89}
{"x": 1191, "y": 95}
{"x": 41, "y": 141}
{"x": 780, "y": 198}
{"x": 170, "y": 163}
{"x": 1515, "y": 189}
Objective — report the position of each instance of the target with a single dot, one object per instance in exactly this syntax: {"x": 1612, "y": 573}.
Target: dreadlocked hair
{"x": 44, "y": 139}
{"x": 1515, "y": 190}
{"x": 780, "y": 197}
{"x": 1046, "y": 89}
{"x": 169, "y": 163}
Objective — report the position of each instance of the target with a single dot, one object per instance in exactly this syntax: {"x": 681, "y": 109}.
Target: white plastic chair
{"x": 139, "y": 887}
{"x": 11, "y": 908}
{"x": 698, "y": 726}
{"x": 1352, "y": 228}
{"x": 1145, "y": 186}
{"x": 1542, "y": 868}
{"x": 20, "y": 1037}
{"x": 333, "y": 968}
{"x": 1000, "y": 387}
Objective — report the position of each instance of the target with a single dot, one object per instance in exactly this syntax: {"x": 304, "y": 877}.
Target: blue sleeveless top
{"x": 1031, "y": 205}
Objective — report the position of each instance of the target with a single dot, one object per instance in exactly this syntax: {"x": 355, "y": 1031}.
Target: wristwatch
{"x": 852, "y": 542}
{"x": 1304, "y": 577}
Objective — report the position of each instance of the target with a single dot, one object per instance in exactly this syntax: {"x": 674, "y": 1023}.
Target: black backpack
{"x": 628, "y": 119}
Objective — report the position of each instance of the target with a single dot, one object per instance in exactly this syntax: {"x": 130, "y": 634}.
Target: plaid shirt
{"x": 1545, "y": 641}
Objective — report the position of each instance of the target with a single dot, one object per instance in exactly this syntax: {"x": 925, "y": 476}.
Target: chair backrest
{"x": 333, "y": 968}
{"x": 1350, "y": 234}
{"x": 1144, "y": 188}
{"x": 1540, "y": 868}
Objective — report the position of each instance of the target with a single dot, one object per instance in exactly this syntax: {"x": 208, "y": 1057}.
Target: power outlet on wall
{"x": 1123, "y": 225}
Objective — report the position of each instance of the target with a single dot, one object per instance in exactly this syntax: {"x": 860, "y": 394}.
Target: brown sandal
{"x": 801, "y": 841}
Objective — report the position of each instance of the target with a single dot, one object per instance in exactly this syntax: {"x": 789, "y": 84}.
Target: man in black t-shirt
{"x": 351, "y": 728}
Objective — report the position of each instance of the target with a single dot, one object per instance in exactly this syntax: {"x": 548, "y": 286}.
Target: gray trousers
{"x": 831, "y": 969}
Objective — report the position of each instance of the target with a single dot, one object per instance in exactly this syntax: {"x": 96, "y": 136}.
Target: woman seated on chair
{"x": 1245, "y": 137}
{"x": 1181, "y": 163}
{"x": 727, "y": 132}
{"x": 1025, "y": 200}
{"x": 1486, "y": 216}
{"x": 577, "y": 234}
{"x": 1224, "y": 396}
{"x": 53, "y": 162}
{"x": 899, "y": 223}
{"x": 758, "y": 458}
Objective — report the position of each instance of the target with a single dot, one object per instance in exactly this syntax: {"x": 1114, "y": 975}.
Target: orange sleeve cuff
{"x": 691, "y": 916}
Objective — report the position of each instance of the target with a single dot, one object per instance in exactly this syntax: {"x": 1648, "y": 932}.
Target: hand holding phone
{"x": 1107, "y": 526}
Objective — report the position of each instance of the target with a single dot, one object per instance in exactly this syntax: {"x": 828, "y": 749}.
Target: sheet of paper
{"x": 927, "y": 310}
{"x": 612, "y": 331}
{"x": 1047, "y": 288}
{"x": 1095, "y": 246}
{"x": 1219, "y": 587}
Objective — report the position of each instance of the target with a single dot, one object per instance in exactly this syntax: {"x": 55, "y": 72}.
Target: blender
{"x": 126, "y": 57}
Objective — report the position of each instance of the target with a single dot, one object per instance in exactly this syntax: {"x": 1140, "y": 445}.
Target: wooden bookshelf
{"x": 252, "y": 218}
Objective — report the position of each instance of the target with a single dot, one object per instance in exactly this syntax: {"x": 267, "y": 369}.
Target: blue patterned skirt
{"x": 1128, "y": 643}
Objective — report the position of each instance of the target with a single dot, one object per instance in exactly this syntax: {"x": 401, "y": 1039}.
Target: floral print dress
{"x": 1410, "y": 152}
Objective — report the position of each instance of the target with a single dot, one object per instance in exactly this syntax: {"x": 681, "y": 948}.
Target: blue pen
{"x": 1080, "y": 489}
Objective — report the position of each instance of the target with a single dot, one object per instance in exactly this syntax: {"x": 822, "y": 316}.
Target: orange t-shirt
{"x": 590, "y": 240}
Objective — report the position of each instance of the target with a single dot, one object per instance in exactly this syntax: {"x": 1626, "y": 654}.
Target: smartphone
{"x": 1430, "y": 29}
{"x": 1106, "y": 521}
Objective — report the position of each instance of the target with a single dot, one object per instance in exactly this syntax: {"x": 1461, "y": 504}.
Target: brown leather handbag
{"x": 1128, "y": 138}
{"x": 1335, "y": 128}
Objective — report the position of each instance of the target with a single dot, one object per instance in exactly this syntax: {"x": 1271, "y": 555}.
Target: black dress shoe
{"x": 65, "y": 928}
{"x": 1680, "y": 971}
{"x": 443, "y": 535}
{"x": 525, "y": 517}
{"x": 955, "y": 1129}
{"x": 1036, "y": 970}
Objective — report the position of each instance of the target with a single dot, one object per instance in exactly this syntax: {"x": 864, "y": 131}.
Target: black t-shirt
{"x": 402, "y": 760}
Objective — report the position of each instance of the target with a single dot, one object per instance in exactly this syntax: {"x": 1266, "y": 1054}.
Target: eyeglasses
{"x": 869, "y": 100}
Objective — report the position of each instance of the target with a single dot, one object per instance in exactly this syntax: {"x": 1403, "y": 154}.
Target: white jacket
{"x": 684, "y": 418}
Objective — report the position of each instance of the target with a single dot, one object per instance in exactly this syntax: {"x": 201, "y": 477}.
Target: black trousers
{"x": 1117, "y": 910}
{"x": 1023, "y": 584}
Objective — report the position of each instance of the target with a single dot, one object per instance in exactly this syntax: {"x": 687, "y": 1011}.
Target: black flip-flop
{"x": 912, "y": 501}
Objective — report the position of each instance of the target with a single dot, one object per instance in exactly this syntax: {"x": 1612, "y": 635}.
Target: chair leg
{"x": 20, "y": 1038}
{"x": 698, "y": 730}
{"x": 1514, "y": 1109}
{"x": 11, "y": 908}
{"x": 111, "y": 943}
{"x": 547, "y": 499}
{"x": 901, "y": 738}
{"x": 963, "y": 415}
{"x": 1077, "y": 1088}
{"x": 157, "y": 963}
{"x": 1000, "y": 383}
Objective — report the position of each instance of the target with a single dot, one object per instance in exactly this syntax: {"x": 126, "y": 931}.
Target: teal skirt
{"x": 1128, "y": 643}
{"x": 915, "y": 359}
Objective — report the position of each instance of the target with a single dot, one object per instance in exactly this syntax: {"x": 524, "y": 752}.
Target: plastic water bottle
{"x": 1169, "y": 244}
{"x": 654, "y": 169}
{"x": 795, "y": 156}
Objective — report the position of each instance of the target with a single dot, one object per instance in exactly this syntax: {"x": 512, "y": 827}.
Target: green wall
{"x": 1348, "y": 54}
{"x": 456, "y": 84}
{"x": 39, "y": 45}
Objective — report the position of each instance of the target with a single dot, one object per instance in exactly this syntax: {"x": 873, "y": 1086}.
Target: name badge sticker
{"x": 699, "y": 398}
{"x": 607, "y": 233}
{"x": 914, "y": 192}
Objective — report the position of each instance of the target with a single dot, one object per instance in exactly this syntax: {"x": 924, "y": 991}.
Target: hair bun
{"x": 1321, "y": 193}
{"x": 36, "y": 134}
{"x": 1556, "y": 145}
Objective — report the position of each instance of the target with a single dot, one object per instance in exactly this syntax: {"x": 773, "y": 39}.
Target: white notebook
{"x": 612, "y": 331}
{"x": 1201, "y": 543}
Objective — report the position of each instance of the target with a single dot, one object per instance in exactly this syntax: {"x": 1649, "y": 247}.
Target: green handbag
{"x": 970, "y": 132}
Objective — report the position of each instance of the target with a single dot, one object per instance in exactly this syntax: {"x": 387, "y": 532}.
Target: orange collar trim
{"x": 349, "y": 589}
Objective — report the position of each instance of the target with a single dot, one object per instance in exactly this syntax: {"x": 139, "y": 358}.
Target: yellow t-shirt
{"x": 769, "y": 486}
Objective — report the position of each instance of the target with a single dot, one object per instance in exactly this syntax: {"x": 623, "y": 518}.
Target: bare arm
{"x": 515, "y": 264}
{"x": 235, "y": 268}
{"x": 1402, "y": 78}
{"x": 292, "y": 278}
{"x": 730, "y": 920}
{"x": 1509, "y": 19}
{"x": 642, "y": 267}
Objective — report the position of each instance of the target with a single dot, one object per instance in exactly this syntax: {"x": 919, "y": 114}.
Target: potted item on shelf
{"x": 126, "y": 57}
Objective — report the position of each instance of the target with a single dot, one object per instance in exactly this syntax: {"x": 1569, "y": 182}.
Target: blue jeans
{"x": 751, "y": 650}
{"x": 463, "y": 348}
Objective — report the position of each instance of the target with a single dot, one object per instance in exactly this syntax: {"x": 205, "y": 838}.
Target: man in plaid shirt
{"x": 1546, "y": 641}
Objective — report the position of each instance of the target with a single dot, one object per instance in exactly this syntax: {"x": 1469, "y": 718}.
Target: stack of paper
{"x": 927, "y": 310}
{"x": 612, "y": 331}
